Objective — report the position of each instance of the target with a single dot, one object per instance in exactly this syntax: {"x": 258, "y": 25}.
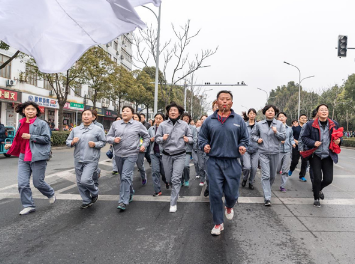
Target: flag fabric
{"x": 336, "y": 134}
{"x": 136, "y": 3}
{"x": 56, "y": 33}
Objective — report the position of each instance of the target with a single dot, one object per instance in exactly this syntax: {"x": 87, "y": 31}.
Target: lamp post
{"x": 267, "y": 95}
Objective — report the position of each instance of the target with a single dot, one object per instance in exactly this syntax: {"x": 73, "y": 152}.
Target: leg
{"x": 186, "y": 172}
{"x": 38, "y": 173}
{"x": 95, "y": 176}
{"x": 316, "y": 165}
{"x": 246, "y": 166}
{"x": 155, "y": 172}
{"x": 303, "y": 167}
{"x": 140, "y": 165}
{"x": 126, "y": 187}
{"x": 87, "y": 178}
{"x": 147, "y": 155}
{"x": 216, "y": 190}
{"x": 274, "y": 160}
{"x": 195, "y": 161}
{"x": 265, "y": 175}
{"x": 232, "y": 172}
{"x": 295, "y": 157}
{"x": 23, "y": 177}
{"x": 254, "y": 166}
{"x": 114, "y": 166}
{"x": 286, "y": 160}
{"x": 178, "y": 163}
{"x": 168, "y": 167}
{"x": 162, "y": 172}
{"x": 327, "y": 169}
{"x": 84, "y": 192}
{"x": 201, "y": 165}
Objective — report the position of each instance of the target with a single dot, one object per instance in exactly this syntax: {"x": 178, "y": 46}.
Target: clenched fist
{"x": 117, "y": 140}
{"x": 75, "y": 140}
{"x": 91, "y": 144}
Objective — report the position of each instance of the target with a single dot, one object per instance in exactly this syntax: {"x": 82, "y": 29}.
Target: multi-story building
{"x": 15, "y": 89}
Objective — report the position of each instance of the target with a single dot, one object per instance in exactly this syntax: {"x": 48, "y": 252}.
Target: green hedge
{"x": 59, "y": 137}
{"x": 348, "y": 142}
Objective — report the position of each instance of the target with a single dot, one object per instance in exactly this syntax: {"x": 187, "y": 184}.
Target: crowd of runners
{"x": 225, "y": 147}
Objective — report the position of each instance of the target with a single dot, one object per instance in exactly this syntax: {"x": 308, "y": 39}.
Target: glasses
{"x": 323, "y": 110}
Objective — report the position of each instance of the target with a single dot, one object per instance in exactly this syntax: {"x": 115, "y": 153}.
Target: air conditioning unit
{"x": 51, "y": 93}
{"x": 10, "y": 83}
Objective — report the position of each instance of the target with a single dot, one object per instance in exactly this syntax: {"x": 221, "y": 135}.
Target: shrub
{"x": 348, "y": 142}
{"x": 59, "y": 137}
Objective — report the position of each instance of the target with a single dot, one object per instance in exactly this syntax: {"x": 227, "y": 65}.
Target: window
{"x": 90, "y": 93}
{"x": 77, "y": 91}
{"x": 31, "y": 75}
{"x": 115, "y": 45}
{"x": 46, "y": 85}
{"x": 5, "y": 72}
{"x": 115, "y": 60}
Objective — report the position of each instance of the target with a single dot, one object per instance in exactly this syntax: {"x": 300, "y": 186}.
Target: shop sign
{"x": 77, "y": 106}
{"x": 109, "y": 113}
{"x": 8, "y": 95}
{"x": 43, "y": 101}
{"x": 41, "y": 108}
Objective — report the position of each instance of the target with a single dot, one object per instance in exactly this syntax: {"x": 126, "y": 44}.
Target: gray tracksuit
{"x": 189, "y": 151}
{"x": 285, "y": 156}
{"x": 250, "y": 158}
{"x": 86, "y": 159}
{"x": 126, "y": 152}
{"x": 174, "y": 152}
{"x": 201, "y": 161}
{"x": 269, "y": 151}
{"x": 96, "y": 174}
{"x": 157, "y": 164}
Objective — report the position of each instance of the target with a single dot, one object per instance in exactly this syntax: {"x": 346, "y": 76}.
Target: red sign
{"x": 8, "y": 95}
{"x": 41, "y": 108}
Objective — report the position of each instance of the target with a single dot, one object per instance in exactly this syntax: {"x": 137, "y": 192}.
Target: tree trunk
{"x": 147, "y": 106}
{"x": 119, "y": 106}
{"x": 60, "y": 116}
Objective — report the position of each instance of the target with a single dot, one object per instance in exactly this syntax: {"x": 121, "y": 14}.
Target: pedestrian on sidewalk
{"x": 285, "y": 151}
{"x": 87, "y": 140}
{"x": 141, "y": 154}
{"x": 269, "y": 133}
{"x": 316, "y": 137}
{"x": 32, "y": 144}
{"x": 251, "y": 156}
{"x": 156, "y": 151}
{"x": 125, "y": 136}
{"x": 224, "y": 137}
{"x": 173, "y": 134}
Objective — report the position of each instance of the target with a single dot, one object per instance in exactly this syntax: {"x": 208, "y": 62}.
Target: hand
{"x": 26, "y": 136}
{"x": 165, "y": 137}
{"x": 242, "y": 150}
{"x": 317, "y": 144}
{"x": 142, "y": 149}
{"x": 260, "y": 140}
{"x": 186, "y": 139}
{"x": 117, "y": 140}
{"x": 207, "y": 149}
{"x": 337, "y": 141}
{"x": 294, "y": 145}
{"x": 274, "y": 129}
{"x": 7, "y": 146}
{"x": 75, "y": 140}
{"x": 283, "y": 142}
{"x": 296, "y": 141}
{"x": 152, "y": 139}
{"x": 91, "y": 144}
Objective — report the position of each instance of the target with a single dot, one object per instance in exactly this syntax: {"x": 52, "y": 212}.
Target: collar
{"x": 82, "y": 126}
{"x": 265, "y": 121}
{"x": 177, "y": 121}
{"x": 130, "y": 121}
{"x": 315, "y": 124}
{"x": 214, "y": 115}
{"x": 23, "y": 120}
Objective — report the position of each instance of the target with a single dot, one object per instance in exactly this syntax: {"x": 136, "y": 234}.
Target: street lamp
{"x": 267, "y": 95}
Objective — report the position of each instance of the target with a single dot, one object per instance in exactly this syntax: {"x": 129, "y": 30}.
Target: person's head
{"x": 127, "y": 113}
{"x": 186, "y": 117}
{"x": 198, "y": 123}
{"x": 224, "y": 101}
{"x": 314, "y": 114}
{"x": 118, "y": 118}
{"x": 158, "y": 118}
{"x": 150, "y": 121}
{"x": 137, "y": 117}
{"x": 250, "y": 115}
{"x": 270, "y": 111}
{"x": 94, "y": 115}
{"x": 322, "y": 111}
{"x": 192, "y": 122}
{"x": 142, "y": 117}
{"x": 282, "y": 117}
{"x": 302, "y": 119}
{"x": 294, "y": 123}
{"x": 87, "y": 116}
{"x": 214, "y": 105}
{"x": 28, "y": 109}
{"x": 203, "y": 118}
{"x": 174, "y": 111}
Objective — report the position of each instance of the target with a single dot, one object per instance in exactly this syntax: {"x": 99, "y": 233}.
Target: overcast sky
{"x": 255, "y": 37}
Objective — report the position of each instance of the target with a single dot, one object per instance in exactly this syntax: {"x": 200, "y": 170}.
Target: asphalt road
{"x": 290, "y": 231}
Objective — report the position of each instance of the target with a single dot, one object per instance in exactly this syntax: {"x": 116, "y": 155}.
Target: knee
{"x": 23, "y": 185}
{"x": 37, "y": 183}
{"x": 247, "y": 168}
{"x": 327, "y": 181}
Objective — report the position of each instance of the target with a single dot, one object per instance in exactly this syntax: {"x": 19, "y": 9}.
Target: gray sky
{"x": 255, "y": 37}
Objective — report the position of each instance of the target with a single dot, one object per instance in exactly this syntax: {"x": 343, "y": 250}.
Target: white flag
{"x": 136, "y": 3}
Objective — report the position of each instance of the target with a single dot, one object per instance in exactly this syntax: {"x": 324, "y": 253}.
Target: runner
{"x": 173, "y": 134}
{"x": 224, "y": 138}
{"x": 87, "y": 139}
{"x": 125, "y": 136}
{"x": 285, "y": 151}
{"x": 251, "y": 157}
{"x": 317, "y": 137}
{"x": 156, "y": 156}
{"x": 97, "y": 173}
{"x": 269, "y": 133}
{"x": 141, "y": 154}
{"x": 114, "y": 166}
{"x": 32, "y": 144}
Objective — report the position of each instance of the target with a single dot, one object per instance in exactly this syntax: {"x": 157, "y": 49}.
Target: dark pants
{"x": 147, "y": 155}
{"x": 320, "y": 166}
{"x": 295, "y": 158}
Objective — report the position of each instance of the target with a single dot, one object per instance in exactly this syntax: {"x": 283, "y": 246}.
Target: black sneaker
{"x": 94, "y": 199}
{"x": 321, "y": 195}
{"x": 206, "y": 193}
{"x": 316, "y": 203}
{"x": 251, "y": 186}
{"x": 267, "y": 203}
{"x": 84, "y": 206}
{"x": 244, "y": 182}
{"x": 121, "y": 206}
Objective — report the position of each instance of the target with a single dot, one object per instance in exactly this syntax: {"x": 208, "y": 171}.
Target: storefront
{"x": 72, "y": 113}
{"x": 109, "y": 117}
{"x": 9, "y": 99}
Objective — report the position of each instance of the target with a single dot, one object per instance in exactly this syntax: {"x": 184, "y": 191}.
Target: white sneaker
{"x": 27, "y": 210}
{"x": 52, "y": 199}
{"x": 201, "y": 184}
{"x": 198, "y": 176}
{"x": 173, "y": 209}
{"x": 216, "y": 230}
{"x": 230, "y": 215}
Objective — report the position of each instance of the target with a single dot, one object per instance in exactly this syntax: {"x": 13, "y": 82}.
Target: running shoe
{"x": 229, "y": 213}
{"x": 157, "y": 194}
{"x": 84, "y": 206}
{"x": 94, "y": 199}
{"x": 303, "y": 179}
{"x": 244, "y": 182}
{"x": 114, "y": 172}
{"x": 282, "y": 189}
{"x": 251, "y": 186}
{"x": 52, "y": 199}
{"x": 217, "y": 229}
{"x": 131, "y": 196}
{"x": 206, "y": 193}
{"x": 316, "y": 203}
{"x": 201, "y": 184}
{"x": 27, "y": 210}
{"x": 267, "y": 203}
{"x": 187, "y": 184}
{"x": 144, "y": 181}
{"x": 121, "y": 206}
{"x": 321, "y": 195}
{"x": 173, "y": 209}
{"x": 289, "y": 173}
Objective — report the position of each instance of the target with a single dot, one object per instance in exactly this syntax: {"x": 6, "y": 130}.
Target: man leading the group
{"x": 224, "y": 137}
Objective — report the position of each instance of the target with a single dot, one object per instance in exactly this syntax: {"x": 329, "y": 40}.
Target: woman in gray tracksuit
{"x": 173, "y": 134}
{"x": 268, "y": 133}
{"x": 251, "y": 156}
{"x": 88, "y": 139}
{"x": 141, "y": 155}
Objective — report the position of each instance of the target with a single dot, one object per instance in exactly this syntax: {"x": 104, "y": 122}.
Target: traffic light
{"x": 342, "y": 45}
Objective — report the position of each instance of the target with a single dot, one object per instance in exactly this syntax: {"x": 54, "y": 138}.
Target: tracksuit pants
{"x": 283, "y": 166}
{"x": 268, "y": 163}
{"x": 157, "y": 169}
{"x": 173, "y": 168}
{"x": 319, "y": 167}
{"x": 250, "y": 166}
{"x": 84, "y": 178}
{"x": 125, "y": 167}
{"x": 38, "y": 170}
{"x": 224, "y": 179}
{"x": 140, "y": 165}
{"x": 195, "y": 161}
{"x": 201, "y": 157}
{"x": 186, "y": 173}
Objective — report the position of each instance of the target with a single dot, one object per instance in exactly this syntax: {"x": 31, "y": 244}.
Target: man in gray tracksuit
{"x": 125, "y": 135}
{"x": 268, "y": 133}
{"x": 250, "y": 159}
{"x": 285, "y": 151}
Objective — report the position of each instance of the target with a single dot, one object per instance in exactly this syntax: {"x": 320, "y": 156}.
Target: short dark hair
{"x": 161, "y": 114}
{"x": 19, "y": 109}
{"x": 293, "y": 121}
{"x": 88, "y": 110}
{"x": 321, "y": 105}
{"x": 94, "y": 113}
{"x": 139, "y": 116}
{"x": 281, "y": 113}
{"x": 142, "y": 114}
{"x": 225, "y": 91}
{"x": 173, "y": 104}
{"x": 203, "y": 116}
{"x": 129, "y": 107}
{"x": 186, "y": 114}
{"x": 245, "y": 114}
{"x": 267, "y": 107}
{"x": 302, "y": 115}
{"x": 314, "y": 113}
